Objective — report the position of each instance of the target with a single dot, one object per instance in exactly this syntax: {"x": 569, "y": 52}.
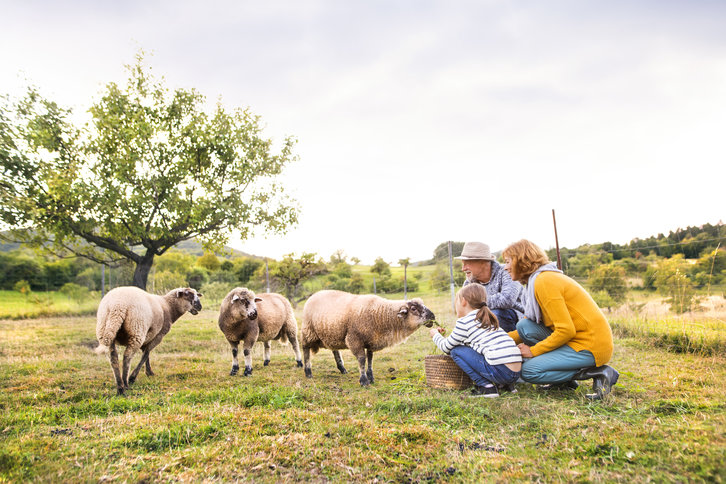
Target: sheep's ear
{"x": 403, "y": 312}
{"x": 199, "y": 294}
{"x": 180, "y": 293}
{"x": 258, "y": 299}
{"x": 235, "y": 297}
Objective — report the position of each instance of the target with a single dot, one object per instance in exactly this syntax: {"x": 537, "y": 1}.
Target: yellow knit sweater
{"x": 572, "y": 315}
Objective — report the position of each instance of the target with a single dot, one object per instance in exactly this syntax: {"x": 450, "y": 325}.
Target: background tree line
{"x": 604, "y": 269}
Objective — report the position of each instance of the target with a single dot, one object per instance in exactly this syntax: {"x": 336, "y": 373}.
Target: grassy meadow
{"x": 14, "y": 305}
{"x": 61, "y": 421}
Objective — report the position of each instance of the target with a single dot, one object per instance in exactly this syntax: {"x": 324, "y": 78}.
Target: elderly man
{"x": 503, "y": 294}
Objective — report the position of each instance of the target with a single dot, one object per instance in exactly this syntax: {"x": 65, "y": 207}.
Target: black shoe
{"x": 567, "y": 385}
{"x": 507, "y": 387}
{"x": 487, "y": 392}
{"x": 603, "y": 379}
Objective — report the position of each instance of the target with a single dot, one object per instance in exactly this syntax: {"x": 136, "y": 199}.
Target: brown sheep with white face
{"x": 363, "y": 324}
{"x": 247, "y": 317}
{"x": 136, "y": 319}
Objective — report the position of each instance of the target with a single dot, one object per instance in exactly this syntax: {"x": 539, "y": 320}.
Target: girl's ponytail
{"x": 487, "y": 317}
{"x": 476, "y": 295}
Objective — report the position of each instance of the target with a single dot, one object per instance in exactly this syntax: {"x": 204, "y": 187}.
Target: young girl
{"x": 481, "y": 349}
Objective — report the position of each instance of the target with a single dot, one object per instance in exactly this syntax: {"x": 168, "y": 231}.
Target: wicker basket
{"x": 442, "y": 372}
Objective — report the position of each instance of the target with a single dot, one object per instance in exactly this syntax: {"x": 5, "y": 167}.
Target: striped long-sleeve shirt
{"x": 496, "y": 345}
{"x": 502, "y": 291}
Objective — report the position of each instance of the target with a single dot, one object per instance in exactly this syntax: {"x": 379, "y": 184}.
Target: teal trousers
{"x": 556, "y": 366}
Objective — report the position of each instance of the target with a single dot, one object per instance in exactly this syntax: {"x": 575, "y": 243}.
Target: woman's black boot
{"x": 603, "y": 379}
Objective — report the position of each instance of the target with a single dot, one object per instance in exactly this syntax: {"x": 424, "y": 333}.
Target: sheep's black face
{"x": 246, "y": 305}
{"x": 192, "y": 297}
{"x": 196, "y": 303}
{"x": 423, "y": 315}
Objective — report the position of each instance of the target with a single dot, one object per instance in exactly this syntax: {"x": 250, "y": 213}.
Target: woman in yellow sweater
{"x": 564, "y": 336}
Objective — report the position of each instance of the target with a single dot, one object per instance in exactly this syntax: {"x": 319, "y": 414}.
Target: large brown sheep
{"x": 364, "y": 324}
{"x": 136, "y": 319}
{"x": 247, "y": 317}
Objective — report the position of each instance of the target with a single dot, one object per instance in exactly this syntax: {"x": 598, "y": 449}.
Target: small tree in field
{"x": 671, "y": 279}
{"x": 23, "y": 287}
{"x": 151, "y": 169}
{"x": 610, "y": 279}
{"x": 292, "y": 272}
{"x": 74, "y": 291}
{"x": 382, "y": 268}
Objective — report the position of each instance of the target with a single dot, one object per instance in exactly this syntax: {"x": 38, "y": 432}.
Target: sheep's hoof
{"x": 266, "y": 362}
{"x": 342, "y": 369}
{"x": 364, "y": 381}
{"x": 299, "y": 364}
{"x": 234, "y": 371}
{"x": 120, "y": 391}
{"x": 370, "y": 377}
{"x": 308, "y": 373}
{"x": 248, "y": 371}
{"x": 132, "y": 379}
{"x": 150, "y": 373}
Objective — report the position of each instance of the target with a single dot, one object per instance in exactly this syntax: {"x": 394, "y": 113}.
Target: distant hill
{"x": 195, "y": 248}
{"x": 190, "y": 246}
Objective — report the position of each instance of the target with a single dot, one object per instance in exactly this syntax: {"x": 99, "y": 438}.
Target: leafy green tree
{"x": 197, "y": 277}
{"x": 164, "y": 281}
{"x": 343, "y": 270}
{"x": 609, "y": 278}
{"x": 671, "y": 279}
{"x": 209, "y": 261}
{"x": 291, "y": 272}
{"x": 227, "y": 266}
{"x": 710, "y": 268}
{"x": 382, "y": 268}
{"x": 74, "y": 291}
{"x": 90, "y": 278}
{"x": 337, "y": 257}
{"x": 174, "y": 261}
{"x": 21, "y": 268}
{"x": 151, "y": 169}
{"x": 23, "y": 287}
{"x": 603, "y": 299}
{"x": 246, "y": 268}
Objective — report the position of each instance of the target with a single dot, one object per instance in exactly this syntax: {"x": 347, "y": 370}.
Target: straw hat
{"x": 475, "y": 251}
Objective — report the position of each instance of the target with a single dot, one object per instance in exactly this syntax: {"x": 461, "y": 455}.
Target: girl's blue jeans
{"x": 482, "y": 373}
{"x": 556, "y": 366}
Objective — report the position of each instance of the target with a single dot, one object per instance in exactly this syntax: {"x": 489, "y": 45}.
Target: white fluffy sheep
{"x": 337, "y": 320}
{"x": 136, "y": 319}
{"x": 247, "y": 317}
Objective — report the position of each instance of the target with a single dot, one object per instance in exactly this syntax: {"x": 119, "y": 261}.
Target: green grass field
{"x": 61, "y": 421}
{"x": 14, "y": 305}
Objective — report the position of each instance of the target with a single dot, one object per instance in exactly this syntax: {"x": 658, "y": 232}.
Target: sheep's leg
{"x": 292, "y": 338}
{"x": 113, "y": 359}
{"x": 235, "y": 363}
{"x": 144, "y": 360}
{"x": 148, "y": 365}
{"x": 369, "y": 373}
{"x": 128, "y": 354}
{"x": 267, "y": 346}
{"x": 339, "y": 361}
{"x": 360, "y": 354}
{"x": 308, "y": 363}
{"x": 248, "y": 356}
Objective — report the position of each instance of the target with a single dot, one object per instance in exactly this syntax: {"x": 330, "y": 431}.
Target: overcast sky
{"x": 419, "y": 121}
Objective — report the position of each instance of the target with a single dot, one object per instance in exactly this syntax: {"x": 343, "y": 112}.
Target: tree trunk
{"x": 141, "y": 273}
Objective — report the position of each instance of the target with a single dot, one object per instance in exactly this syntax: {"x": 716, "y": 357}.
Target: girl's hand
{"x": 524, "y": 349}
{"x": 432, "y": 332}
